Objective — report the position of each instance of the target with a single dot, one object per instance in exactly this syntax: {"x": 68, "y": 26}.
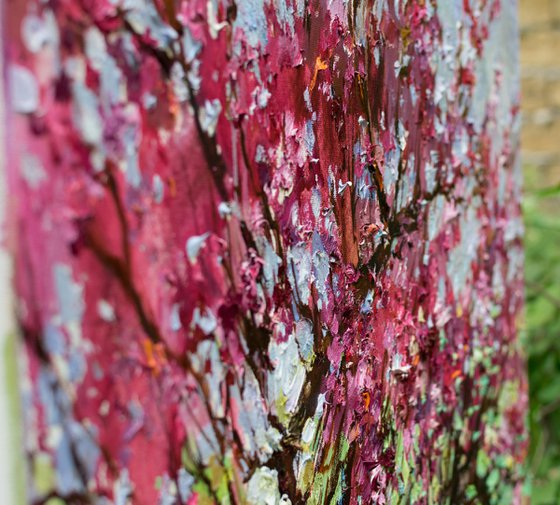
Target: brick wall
{"x": 540, "y": 83}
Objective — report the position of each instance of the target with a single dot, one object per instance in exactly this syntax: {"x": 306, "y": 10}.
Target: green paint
{"x": 10, "y": 353}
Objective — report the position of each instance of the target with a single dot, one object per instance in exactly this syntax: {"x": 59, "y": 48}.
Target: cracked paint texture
{"x": 267, "y": 252}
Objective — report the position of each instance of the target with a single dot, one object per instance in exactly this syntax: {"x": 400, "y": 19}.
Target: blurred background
{"x": 540, "y": 83}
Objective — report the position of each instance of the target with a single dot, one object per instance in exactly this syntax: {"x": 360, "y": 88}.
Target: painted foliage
{"x": 267, "y": 252}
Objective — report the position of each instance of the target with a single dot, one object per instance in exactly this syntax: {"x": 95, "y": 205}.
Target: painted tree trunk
{"x": 267, "y": 252}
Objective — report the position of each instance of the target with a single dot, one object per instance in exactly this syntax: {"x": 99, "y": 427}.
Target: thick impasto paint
{"x": 267, "y": 251}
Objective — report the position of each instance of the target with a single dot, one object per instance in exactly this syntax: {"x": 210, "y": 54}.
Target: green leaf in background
{"x": 542, "y": 335}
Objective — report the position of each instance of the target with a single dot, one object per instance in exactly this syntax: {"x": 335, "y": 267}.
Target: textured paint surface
{"x": 267, "y": 252}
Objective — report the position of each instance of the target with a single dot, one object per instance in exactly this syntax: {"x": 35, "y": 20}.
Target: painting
{"x": 267, "y": 251}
